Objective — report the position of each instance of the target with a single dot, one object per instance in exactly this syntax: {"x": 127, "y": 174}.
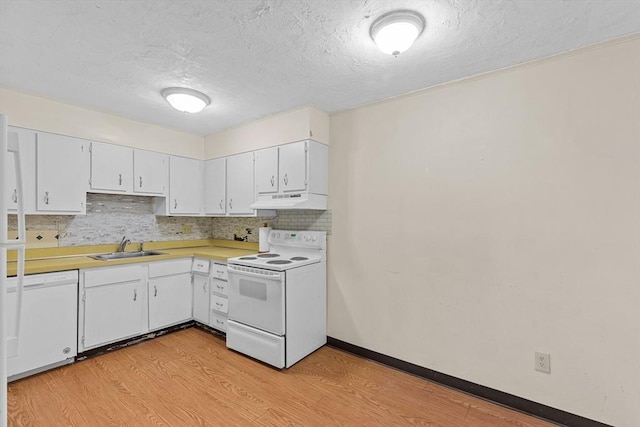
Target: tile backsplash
{"x": 109, "y": 217}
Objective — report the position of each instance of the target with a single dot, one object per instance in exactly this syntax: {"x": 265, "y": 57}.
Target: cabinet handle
{"x": 46, "y": 197}
{"x": 119, "y": 179}
{"x": 175, "y": 203}
{"x": 219, "y": 304}
{"x": 135, "y": 294}
{"x": 219, "y": 287}
{"x": 272, "y": 180}
{"x": 219, "y": 322}
{"x": 15, "y": 195}
{"x": 230, "y": 203}
{"x": 140, "y": 182}
{"x": 221, "y": 205}
{"x": 155, "y": 291}
{"x": 204, "y": 288}
{"x": 286, "y": 179}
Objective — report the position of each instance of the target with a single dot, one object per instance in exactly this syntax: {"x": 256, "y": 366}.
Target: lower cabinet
{"x": 125, "y": 301}
{"x": 219, "y": 297}
{"x": 112, "y": 305}
{"x": 170, "y": 299}
{"x": 201, "y": 291}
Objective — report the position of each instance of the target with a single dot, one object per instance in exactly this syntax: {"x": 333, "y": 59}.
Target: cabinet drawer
{"x": 258, "y": 344}
{"x": 219, "y": 287}
{"x": 111, "y": 275}
{"x": 219, "y": 303}
{"x": 220, "y": 271}
{"x": 218, "y": 321}
{"x": 201, "y": 266}
{"x": 168, "y": 268}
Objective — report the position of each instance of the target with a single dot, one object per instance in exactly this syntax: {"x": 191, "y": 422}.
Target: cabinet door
{"x": 111, "y": 167}
{"x": 240, "y": 187}
{"x": 27, "y": 142}
{"x": 112, "y": 313}
{"x": 170, "y": 300}
{"x": 150, "y": 172}
{"x": 267, "y": 170}
{"x": 62, "y": 175}
{"x": 215, "y": 186}
{"x": 201, "y": 298}
{"x": 185, "y": 184}
{"x": 293, "y": 167}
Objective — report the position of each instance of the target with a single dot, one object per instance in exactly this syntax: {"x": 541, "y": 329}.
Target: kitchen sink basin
{"x": 124, "y": 255}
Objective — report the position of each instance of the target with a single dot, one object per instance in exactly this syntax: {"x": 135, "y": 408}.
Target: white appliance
{"x": 278, "y": 299}
{"x": 9, "y": 338}
{"x": 48, "y": 331}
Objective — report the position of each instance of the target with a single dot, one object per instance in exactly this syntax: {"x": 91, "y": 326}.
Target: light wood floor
{"x": 189, "y": 378}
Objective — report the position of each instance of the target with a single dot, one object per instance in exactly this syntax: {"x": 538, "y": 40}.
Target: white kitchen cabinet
{"x": 201, "y": 298}
{"x": 266, "y": 170}
{"x": 170, "y": 293}
{"x": 292, "y": 169}
{"x": 215, "y": 186}
{"x": 112, "y": 305}
{"x": 27, "y": 142}
{"x": 111, "y": 168}
{"x": 303, "y": 177}
{"x": 185, "y": 186}
{"x": 219, "y": 305}
{"x": 151, "y": 171}
{"x": 240, "y": 184}
{"x": 62, "y": 174}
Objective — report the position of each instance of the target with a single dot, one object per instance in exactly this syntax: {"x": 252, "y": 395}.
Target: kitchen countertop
{"x": 59, "y": 259}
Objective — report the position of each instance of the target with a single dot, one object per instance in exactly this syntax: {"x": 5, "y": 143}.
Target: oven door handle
{"x": 255, "y": 272}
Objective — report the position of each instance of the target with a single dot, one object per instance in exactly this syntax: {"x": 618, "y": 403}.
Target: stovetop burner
{"x": 299, "y": 258}
{"x": 279, "y": 261}
{"x": 248, "y": 258}
{"x": 268, "y": 255}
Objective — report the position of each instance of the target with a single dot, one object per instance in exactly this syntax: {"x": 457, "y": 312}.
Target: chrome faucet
{"x": 123, "y": 243}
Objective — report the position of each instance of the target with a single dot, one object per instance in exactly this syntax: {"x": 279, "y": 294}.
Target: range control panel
{"x": 306, "y": 239}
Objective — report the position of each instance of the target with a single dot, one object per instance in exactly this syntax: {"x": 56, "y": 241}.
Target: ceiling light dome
{"x": 395, "y": 32}
{"x": 186, "y": 100}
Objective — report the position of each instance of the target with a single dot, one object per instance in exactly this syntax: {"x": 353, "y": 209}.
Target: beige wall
{"x": 481, "y": 221}
{"x": 290, "y": 126}
{"x": 46, "y": 115}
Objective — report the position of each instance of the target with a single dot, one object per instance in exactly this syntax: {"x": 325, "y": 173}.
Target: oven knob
{"x": 273, "y": 234}
{"x": 315, "y": 238}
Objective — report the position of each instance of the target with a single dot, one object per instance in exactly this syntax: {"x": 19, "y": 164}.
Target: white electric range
{"x": 277, "y": 300}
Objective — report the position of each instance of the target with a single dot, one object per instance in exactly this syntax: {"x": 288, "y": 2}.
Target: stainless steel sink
{"x": 124, "y": 255}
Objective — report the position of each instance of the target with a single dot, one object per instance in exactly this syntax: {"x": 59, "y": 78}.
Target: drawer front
{"x": 219, "y": 287}
{"x": 218, "y": 321}
{"x": 201, "y": 266}
{"x": 219, "y": 303}
{"x": 258, "y": 344}
{"x": 110, "y": 275}
{"x": 168, "y": 268}
{"x": 220, "y": 271}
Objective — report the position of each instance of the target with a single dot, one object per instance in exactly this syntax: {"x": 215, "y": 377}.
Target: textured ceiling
{"x": 259, "y": 57}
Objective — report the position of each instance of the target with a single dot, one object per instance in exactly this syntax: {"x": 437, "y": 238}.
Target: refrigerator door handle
{"x": 14, "y": 336}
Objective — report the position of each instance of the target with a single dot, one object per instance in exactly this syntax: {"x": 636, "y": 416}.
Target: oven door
{"x": 256, "y": 298}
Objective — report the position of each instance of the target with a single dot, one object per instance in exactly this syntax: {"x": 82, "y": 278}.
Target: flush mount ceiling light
{"x": 186, "y": 100}
{"x": 395, "y": 32}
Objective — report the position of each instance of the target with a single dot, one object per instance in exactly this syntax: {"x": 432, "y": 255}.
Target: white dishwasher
{"x": 48, "y": 326}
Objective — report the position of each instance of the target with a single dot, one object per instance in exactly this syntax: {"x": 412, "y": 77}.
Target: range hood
{"x": 291, "y": 201}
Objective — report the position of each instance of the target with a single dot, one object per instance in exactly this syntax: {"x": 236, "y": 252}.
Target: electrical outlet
{"x": 543, "y": 362}
{"x": 186, "y": 229}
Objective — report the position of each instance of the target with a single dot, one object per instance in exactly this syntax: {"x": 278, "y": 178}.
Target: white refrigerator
{"x": 10, "y": 163}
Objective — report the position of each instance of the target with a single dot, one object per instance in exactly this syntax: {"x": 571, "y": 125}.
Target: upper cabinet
{"x": 62, "y": 174}
{"x": 240, "y": 184}
{"x": 300, "y": 175}
{"x": 111, "y": 168}
{"x": 215, "y": 187}
{"x": 118, "y": 169}
{"x": 185, "y": 186}
{"x": 150, "y": 172}
{"x": 267, "y": 171}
